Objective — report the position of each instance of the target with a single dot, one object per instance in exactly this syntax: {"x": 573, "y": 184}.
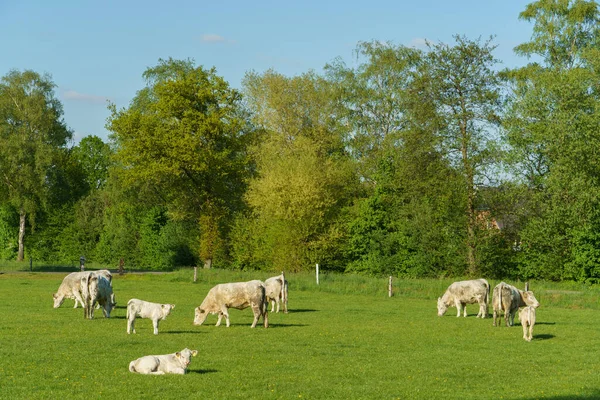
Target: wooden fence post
{"x": 195, "y": 273}
{"x": 390, "y": 290}
{"x": 317, "y": 274}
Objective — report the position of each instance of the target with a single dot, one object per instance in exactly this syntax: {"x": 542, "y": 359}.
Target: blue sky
{"x": 96, "y": 51}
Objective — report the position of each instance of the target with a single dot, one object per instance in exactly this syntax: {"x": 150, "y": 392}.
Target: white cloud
{"x": 82, "y": 97}
{"x": 419, "y": 43}
{"x": 212, "y": 38}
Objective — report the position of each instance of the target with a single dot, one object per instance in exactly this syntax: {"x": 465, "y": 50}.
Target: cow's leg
{"x": 219, "y": 319}
{"x": 155, "y": 326}
{"x": 277, "y": 301}
{"x": 458, "y": 306}
{"x": 130, "y": 324}
{"x": 272, "y": 305}
{"x": 266, "y": 319}
{"x": 256, "y": 310}
{"x": 464, "y": 305}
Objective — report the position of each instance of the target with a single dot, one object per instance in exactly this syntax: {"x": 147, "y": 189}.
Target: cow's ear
{"x": 172, "y": 305}
{"x": 194, "y": 353}
{"x": 178, "y": 355}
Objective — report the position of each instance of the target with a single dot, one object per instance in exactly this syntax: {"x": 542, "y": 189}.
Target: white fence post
{"x": 317, "y": 274}
{"x": 390, "y": 291}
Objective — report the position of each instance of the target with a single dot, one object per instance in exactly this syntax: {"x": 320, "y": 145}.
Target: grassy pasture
{"x": 343, "y": 339}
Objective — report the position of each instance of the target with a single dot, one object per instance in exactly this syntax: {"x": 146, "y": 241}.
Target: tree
{"x": 465, "y": 90}
{"x": 303, "y": 176}
{"x": 183, "y": 140}
{"x": 32, "y": 133}
{"x": 552, "y": 126}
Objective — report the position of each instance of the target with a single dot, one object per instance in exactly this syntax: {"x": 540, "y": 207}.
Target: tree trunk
{"x": 21, "y": 253}
{"x": 208, "y": 263}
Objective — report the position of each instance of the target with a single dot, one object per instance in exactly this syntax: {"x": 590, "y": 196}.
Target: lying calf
{"x": 145, "y": 309}
{"x": 175, "y": 363}
{"x": 527, "y": 317}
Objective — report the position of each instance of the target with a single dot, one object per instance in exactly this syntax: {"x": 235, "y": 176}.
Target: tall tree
{"x": 303, "y": 174}
{"x": 32, "y": 132}
{"x": 183, "y": 139}
{"x": 465, "y": 90}
{"x": 552, "y": 123}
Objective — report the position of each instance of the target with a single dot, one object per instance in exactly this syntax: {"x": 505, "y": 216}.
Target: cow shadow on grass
{"x": 302, "y": 310}
{"x": 543, "y": 336}
{"x": 275, "y": 326}
{"x": 181, "y": 332}
{"x": 201, "y": 371}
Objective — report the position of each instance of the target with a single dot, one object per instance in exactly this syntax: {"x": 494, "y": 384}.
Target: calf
{"x": 174, "y": 363}
{"x": 276, "y": 290}
{"x": 461, "y": 293}
{"x": 507, "y": 299}
{"x": 527, "y": 317}
{"x": 145, "y": 309}
{"x": 238, "y": 295}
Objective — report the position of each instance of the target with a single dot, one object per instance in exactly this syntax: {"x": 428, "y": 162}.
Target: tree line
{"x": 415, "y": 163}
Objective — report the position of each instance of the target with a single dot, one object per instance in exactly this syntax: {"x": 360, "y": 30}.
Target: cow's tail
{"x": 487, "y": 299}
{"x": 85, "y": 294}
{"x": 282, "y": 294}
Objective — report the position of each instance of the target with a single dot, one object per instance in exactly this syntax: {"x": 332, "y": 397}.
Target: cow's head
{"x": 184, "y": 356}
{"x": 166, "y": 309}
{"x": 200, "y": 316}
{"x": 530, "y": 299}
{"x": 442, "y": 307}
{"x": 58, "y": 300}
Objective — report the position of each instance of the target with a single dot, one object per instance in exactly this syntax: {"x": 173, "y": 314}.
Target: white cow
{"x": 461, "y": 293}
{"x": 145, "y": 309}
{"x": 70, "y": 288}
{"x": 507, "y": 299}
{"x": 527, "y": 317}
{"x": 96, "y": 288}
{"x": 174, "y": 363}
{"x": 238, "y": 295}
{"x": 276, "y": 290}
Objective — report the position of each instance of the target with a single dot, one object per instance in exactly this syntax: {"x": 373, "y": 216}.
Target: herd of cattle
{"x": 93, "y": 289}
{"x": 506, "y": 299}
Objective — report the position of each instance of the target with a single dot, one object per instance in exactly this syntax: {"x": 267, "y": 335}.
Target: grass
{"x": 343, "y": 339}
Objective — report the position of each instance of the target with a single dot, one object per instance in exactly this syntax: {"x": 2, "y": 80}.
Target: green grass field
{"x": 343, "y": 339}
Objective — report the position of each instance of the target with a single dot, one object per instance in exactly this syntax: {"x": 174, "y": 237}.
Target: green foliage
{"x": 8, "y": 232}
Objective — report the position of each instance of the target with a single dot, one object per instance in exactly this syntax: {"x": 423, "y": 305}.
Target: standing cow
{"x": 276, "y": 291}
{"x": 507, "y": 299}
{"x": 461, "y": 293}
{"x": 238, "y": 295}
{"x": 70, "y": 288}
{"x": 96, "y": 288}
{"x": 145, "y": 309}
{"x": 527, "y": 317}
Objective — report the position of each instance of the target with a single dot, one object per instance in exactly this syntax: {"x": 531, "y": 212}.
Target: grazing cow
{"x": 174, "y": 363}
{"x": 96, "y": 288}
{"x": 276, "y": 290}
{"x": 527, "y": 317}
{"x": 238, "y": 295}
{"x": 507, "y": 299}
{"x": 145, "y": 309}
{"x": 70, "y": 288}
{"x": 461, "y": 293}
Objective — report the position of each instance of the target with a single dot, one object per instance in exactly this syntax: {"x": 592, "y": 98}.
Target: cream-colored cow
{"x": 238, "y": 295}
{"x": 276, "y": 291}
{"x": 527, "y": 318}
{"x": 507, "y": 299}
{"x": 144, "y": 309}
{"x": 174, "y": 363}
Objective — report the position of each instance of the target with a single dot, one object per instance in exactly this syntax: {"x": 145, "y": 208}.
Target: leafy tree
{"x": 183, "y": 140}
{"x": 553, "y": 125}
{"x": 465, "y": 90}
{"x": 303, "y": 175}
{"x": 32, "y": 133}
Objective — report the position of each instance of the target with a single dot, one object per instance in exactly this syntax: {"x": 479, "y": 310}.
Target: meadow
{"x": 342, "y": 339}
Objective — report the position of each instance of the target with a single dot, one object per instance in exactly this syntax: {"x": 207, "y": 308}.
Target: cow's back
{"x": 234, "y": 294}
